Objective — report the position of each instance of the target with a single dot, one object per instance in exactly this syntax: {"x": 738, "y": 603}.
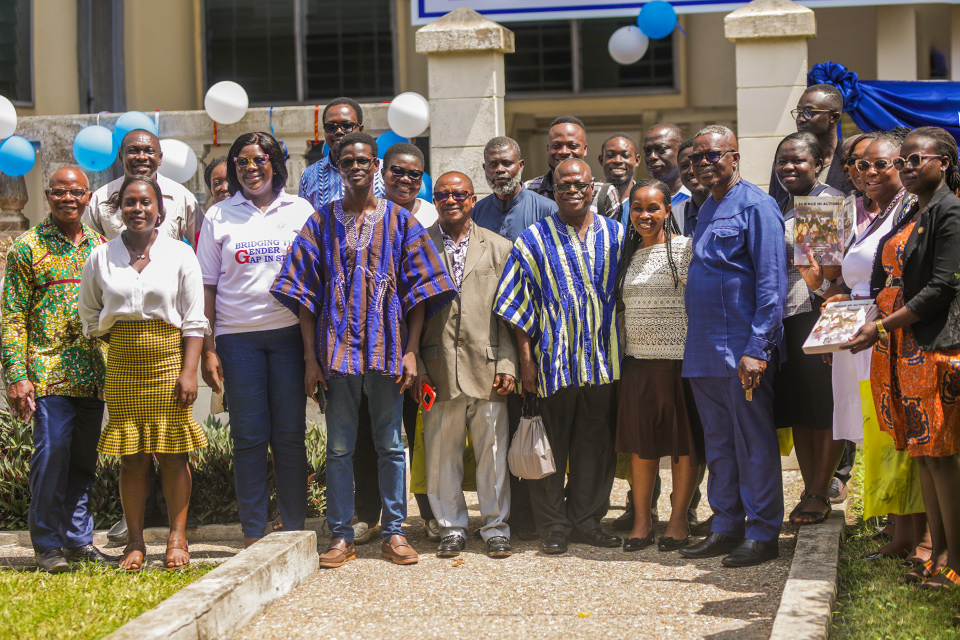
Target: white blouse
{"x": 654, "y": 311}
{"x": 170, "y": 288}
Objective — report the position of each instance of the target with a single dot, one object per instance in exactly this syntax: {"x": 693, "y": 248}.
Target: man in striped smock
{"x": 557, "y": 291}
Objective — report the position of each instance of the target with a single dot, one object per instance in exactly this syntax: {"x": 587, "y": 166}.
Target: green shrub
{"x": 213, "y": 499}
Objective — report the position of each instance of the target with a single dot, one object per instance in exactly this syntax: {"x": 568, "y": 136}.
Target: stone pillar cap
{"x": 464, "y": 30}
{"x": 770, "y": 19}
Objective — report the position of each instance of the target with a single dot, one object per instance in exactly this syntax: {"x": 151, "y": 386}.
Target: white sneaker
{"x": 837, "y": 491}
{"x": 432, "y": 530}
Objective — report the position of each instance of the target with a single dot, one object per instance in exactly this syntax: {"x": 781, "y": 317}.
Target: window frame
{"x": 32, "y": 101}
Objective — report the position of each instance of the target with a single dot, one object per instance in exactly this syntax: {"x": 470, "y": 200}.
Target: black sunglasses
{"x": 458, "y": 196}
{"x": 346, "y": 127}
{"x": 563, "y": 187}
{"x": 713, "y": 157}
{"x": 399, "y": 172}
{"x": 347, "y": 163}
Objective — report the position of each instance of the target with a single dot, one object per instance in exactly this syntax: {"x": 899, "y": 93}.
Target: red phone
{"x": 429, "y": 395}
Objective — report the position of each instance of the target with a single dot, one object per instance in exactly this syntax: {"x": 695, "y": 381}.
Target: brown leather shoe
{"x": 397, "y": 549}
{"x": 338, "y": 552}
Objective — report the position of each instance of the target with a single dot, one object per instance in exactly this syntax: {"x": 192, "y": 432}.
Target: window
{"x": 347, "y": 48}
{"x": 16, "y": 78}
{"x": 570, "y": 56}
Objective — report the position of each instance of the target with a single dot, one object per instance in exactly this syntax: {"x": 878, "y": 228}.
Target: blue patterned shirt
{"x": 559, "y": 290}
{"x": 320, "y": 184}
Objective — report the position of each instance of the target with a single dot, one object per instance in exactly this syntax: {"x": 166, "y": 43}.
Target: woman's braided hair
{"x": 945, "y": 145}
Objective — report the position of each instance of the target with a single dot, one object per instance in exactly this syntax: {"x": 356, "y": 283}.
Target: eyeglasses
{"x": 59, "y": 194}
{"x": 849, "y": 162}
{"x": 712, "y": 157}
{"x": 912, "y": 161}
{"x": 243, "y": 162}
{"x": 346, "y": 127}
{"x": 807, "y": 113}
{"x": 564, "y": 187}
{"x": 347, "y": 163}
{"x": 881, "y": 164}
{"x": 458, "y": 196}
{"x": 399, "y": 172}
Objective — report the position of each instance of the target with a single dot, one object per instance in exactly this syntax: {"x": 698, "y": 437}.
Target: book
{"x": 821, "y": 226}
{"x": 838, "y": 322}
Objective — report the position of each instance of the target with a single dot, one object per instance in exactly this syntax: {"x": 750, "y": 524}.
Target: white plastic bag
{"x": 530, "y": 456}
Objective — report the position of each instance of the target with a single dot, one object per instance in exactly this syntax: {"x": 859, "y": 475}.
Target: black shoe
{"x": 666, "y": 543}
{"x": 118, "y": 532}
{"x": 499, "y": 547}
{"x": 554, "y": 543}
{"x": 636, "y": 544}
{"x": 751, "y": 553}
{"x": 89, "y": 553}
{"x": 527, "y": 532}
{"x": 715, "y": 544}
{"x": 702, "y": 528}
{"x": 52, "y": 561}
{"x": 451, "y": 546}
{"x": 598, "y": 538}
{"x": 625, "y": 521}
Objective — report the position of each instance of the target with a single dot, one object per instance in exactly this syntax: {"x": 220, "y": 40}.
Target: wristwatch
{"x": 822, "y": 289}
{"x": 881, "y": 332}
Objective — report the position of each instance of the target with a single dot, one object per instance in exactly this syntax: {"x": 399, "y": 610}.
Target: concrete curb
{"x": 158, "y": 535}
{"x": 806, "y": 607}
{"x": 229, "y": 596}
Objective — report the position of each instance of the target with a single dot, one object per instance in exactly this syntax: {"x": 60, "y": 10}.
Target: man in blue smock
{"x": 735, "y": 289}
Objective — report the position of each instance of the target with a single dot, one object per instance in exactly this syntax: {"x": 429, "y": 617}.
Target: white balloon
{"x": 8, "y": 118}
{"x": 409, "y": 114}
{"x": 226, "y": 102}
{"x": 627, "y": 44}
{"x": 179, "y": 160}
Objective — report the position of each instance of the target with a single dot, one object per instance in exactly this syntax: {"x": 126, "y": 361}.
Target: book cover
{"x": 818, "y": 227}
{"x": 839, "y": 321}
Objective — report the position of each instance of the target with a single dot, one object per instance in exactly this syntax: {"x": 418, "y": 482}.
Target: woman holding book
{"x": 915, "y": 371}
{"x": 803, "y": 398}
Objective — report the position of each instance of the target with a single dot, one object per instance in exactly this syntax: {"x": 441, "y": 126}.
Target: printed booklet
{"x": 839, "y": 321}
{"x": 821, "y": 225}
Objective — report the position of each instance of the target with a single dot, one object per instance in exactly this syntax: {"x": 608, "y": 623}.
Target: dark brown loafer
{"x": 396, "y": 549}
{"x": 338, "y": 553}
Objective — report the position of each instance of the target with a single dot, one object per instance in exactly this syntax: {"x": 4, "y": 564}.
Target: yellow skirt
{"x": 143, "y": 363}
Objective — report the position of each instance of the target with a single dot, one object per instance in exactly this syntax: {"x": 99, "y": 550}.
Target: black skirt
{"x": 803, "y": 388}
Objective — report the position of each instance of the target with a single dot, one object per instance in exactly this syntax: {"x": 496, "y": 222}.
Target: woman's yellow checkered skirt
{"x": 143, "y": 364}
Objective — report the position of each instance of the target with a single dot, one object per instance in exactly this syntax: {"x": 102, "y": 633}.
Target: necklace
{"x": 140, "y": 256}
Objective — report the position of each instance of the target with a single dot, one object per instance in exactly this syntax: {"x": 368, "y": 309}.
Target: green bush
{"x": 213, "y": 499}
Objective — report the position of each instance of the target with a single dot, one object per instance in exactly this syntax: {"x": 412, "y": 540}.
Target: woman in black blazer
{"x": 915, "y": 370}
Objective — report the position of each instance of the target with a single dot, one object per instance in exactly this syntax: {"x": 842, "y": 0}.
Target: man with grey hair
{"x": 735, "y": 289}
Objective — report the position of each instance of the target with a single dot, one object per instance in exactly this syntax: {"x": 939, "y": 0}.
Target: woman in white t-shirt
{"x": 256, "y": 344}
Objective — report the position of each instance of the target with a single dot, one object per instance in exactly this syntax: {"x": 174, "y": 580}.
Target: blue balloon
{"x": 426, "y": 188}
{"x": 657, "y": 19}
{"x": 93, "y": 148}
{"x": 387, "y": 140}
{"x": 17, "y": 156}
{"x": 131, "y": 121}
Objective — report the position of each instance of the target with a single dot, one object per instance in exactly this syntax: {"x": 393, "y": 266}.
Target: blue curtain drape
{"x": 885, "y": 104}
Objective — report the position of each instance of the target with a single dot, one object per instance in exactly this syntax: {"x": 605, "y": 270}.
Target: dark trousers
{"x": 62, "y": 471}
{"x": 579, "y": 424}
{"x": 743, "y": 456}
{"x": 521, "y": 511}
{"x": 845, "y": 468}
{"x": 694, "y": 502}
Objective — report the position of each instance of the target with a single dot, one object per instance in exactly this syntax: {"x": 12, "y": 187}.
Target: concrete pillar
{"x": 771, "y": 51}
{"x": 13, "y": 198}
{"x": 955, "y": 42}
{"x": 466, "y": 79}
{"x": 896, "y": 42}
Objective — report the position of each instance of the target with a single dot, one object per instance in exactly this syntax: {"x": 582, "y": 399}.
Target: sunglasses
{"x": 712, "y": 157}
{"x": 849, "y": 162}
{"x": 807, "y": 113}
{"x": 59, "y": 194}
{"x": 564, "y": 187}
{"x": 346, "y": 127}
{"x": 881, "y": 164}
{"x": 260, "y": 161}
{"x": 399, "y": 172}
{"x": 912, "y": 161}
{"x": 458, "y": 196}
{"x": 347, "y": 163}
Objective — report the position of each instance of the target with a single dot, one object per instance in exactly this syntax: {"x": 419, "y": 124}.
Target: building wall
{"x": 55, "y": 78}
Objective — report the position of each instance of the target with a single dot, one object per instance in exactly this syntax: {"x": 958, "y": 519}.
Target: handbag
{"x": 530, "y": 456}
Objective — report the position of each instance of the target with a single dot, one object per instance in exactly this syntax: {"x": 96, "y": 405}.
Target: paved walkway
{"x": 587, "y": 593}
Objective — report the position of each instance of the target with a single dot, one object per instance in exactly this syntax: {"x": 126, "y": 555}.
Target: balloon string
{"x": 681, "y": 30}
{"x": 271, "y": 123}
{"x": 215, "y": 143}
{"x": 98, "y": 117}
{"x": 156, "y": 120}
{"x": 316, "y": 124}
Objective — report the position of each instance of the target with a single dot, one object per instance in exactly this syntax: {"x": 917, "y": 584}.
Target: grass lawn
{"x": 872, "y": 604}
{"x": 88, "y": 603}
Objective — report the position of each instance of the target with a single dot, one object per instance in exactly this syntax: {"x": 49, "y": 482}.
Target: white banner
{"x": 424, "y": 11}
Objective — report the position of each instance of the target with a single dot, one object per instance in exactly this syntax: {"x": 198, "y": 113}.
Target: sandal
{"x": 919, "y": 574}
{"x": 137, "y": 547}
{"x": 949, "y": 581}
{"x": 796, "y": 509}
{"x": 176, "y": 545}
{"x": 816, "y": 516}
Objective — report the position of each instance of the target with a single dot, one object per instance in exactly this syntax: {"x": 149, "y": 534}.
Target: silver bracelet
{"x": 822, "y": 289}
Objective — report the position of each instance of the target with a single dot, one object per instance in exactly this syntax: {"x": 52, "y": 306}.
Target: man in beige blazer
{"x": 468, "y": 355}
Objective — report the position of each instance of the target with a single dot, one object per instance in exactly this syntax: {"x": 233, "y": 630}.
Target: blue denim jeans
{"x": 386, "y": 410}
{"x": 265, "y": 370}
{"x": 62, "y": 470}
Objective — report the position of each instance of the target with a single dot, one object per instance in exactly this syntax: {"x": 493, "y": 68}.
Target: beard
{"x": 505, "y": 189}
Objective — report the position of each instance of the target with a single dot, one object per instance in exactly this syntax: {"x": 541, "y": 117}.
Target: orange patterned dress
{"x": 916, "y": 392}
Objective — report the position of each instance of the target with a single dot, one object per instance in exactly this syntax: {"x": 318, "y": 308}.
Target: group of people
{"x": 651, "y": 318}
